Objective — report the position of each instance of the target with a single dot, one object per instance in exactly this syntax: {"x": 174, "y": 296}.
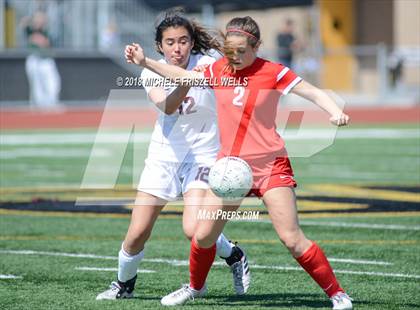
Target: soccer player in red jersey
{"x": 246, "y": 117}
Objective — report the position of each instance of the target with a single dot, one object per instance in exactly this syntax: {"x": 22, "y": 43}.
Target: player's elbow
{"x": 165, "y": 108}
{"x": 169, "y": 111}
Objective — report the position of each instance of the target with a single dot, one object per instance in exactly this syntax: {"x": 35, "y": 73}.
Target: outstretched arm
{"x": 321, "y": 99}
{"x": 134, "y": 54}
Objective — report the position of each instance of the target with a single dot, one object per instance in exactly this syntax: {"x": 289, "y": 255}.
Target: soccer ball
{"x": 230, "y": 178}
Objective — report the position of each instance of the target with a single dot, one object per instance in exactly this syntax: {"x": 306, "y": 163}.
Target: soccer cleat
{"x": 181, "y": 296}
{"x": 118, "y": 290}
{"x": 341, "y": 301}
{"x": 240, "y": 270}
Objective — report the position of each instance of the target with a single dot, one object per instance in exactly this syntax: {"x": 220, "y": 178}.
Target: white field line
{"x": 173, "y": 262}
{"x": 111, "y": 269}
{"x": 347, "y": 133}
{"x": 352, "y": 225}
{"x": 9, "y": 276}
{"x": 361, "y": 225}
{"x": 70, "y": 138}
{"x": 369, "y": 273}
{"x": 29, "y": 252}
{"x": 302, "y": 134}
{"x": 53, "y": 152}
{"x": 358, "y": 261}
{"x": 185, "y": 263}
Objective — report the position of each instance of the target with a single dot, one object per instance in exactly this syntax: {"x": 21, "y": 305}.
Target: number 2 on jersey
{"x": 239, "y": 91}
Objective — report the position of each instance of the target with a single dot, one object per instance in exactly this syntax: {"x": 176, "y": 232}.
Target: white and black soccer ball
{"x": 231, "y": 178}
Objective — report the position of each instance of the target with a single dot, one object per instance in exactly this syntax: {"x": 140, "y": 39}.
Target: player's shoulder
{"x": 219, "y": 64}
{"x": 270, "y": 66}
{"x": 199, "y": 59}
{"x": 205, "y": 59}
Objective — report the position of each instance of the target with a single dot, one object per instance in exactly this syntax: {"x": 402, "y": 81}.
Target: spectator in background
{"x": 395, "y": 69}
{"x": 287, "y": 44}
{"x": 109, "y": 37}
{"x": 43, "y": 77}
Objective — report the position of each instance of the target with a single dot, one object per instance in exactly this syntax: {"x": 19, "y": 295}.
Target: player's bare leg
{"x": 143, "y": 217}
{"x": 192, "y": 203}
{"x": 203, "y": 251}
{"x": 234, "y": 256}
{"x": 145, "y": 212}
{"x": 208, "y": 230}
{"x": 281, "y": 205}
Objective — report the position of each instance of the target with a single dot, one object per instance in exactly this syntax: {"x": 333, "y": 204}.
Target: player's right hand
{"x": 134, "y": 54}
{"x": 200, "y": 68}
{"x": 340, "y": 119}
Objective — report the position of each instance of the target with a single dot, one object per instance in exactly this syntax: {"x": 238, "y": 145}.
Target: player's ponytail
{"x": 205, "y": 39}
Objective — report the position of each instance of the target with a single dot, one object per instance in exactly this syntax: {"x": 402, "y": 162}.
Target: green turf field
{"x": 353, "y": 158}
{"x": 359, "y": 199}
{"x": 54, "y": 282}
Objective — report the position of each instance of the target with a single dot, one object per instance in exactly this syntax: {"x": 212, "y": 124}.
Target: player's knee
{"x": 204, "y": 240}
{"x": 135, "y": 242}
{"x": 188, "y": 231}
{"x": 291, "y": 240}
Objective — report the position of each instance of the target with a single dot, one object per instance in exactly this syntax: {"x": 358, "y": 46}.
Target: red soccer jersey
{"x": 247, "y": 112}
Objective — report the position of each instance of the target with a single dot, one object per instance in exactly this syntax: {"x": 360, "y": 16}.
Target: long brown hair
{"x": 242, "y": 26}
{"x": 205, "y": 39}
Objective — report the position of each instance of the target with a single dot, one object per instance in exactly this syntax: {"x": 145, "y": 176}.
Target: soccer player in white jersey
{"x": 183, "y": 147}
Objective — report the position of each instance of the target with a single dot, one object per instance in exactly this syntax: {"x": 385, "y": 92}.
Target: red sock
{"x": 201, "y": 260}
{"x": 316, "y": 264}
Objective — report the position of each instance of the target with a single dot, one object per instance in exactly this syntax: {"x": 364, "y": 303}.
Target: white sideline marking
{"x": 380, "y": 274}
{"x": 361, "y": 225}
{"x": 29, "y": 252}
{"x": 173, "y": 262}
{"x": 9, "y": 276}
{"x": 347, "y": 133}
{"x": 369, "y": 273}
{"x": 111, "y": 269}
{"x": 53, "y": 152}
{"x": 358, "y": 261}
{"x": 69, "y": 138}
{"x": 301, "y": 134}
{"x": 353, "y": 225}
{"x": 185, "y": 263}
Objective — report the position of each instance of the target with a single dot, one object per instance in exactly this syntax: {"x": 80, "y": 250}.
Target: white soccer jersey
{"x": 190, "y": 134}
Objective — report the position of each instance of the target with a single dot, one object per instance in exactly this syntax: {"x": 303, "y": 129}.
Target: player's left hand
{"x": 134, "y": 54}
{"x": 340, "y": 119}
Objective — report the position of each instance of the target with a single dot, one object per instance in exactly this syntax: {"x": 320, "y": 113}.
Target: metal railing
{"x": 79, "y": 25}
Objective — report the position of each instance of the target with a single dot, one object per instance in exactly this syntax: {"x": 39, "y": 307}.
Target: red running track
{"x": 145, "y": 117}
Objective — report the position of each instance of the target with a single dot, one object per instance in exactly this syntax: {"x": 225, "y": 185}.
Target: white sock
{"x": 127, "y": 265}
{"x": 223, "y": 246}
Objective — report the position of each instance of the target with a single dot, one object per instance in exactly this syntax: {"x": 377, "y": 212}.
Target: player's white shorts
{"x": 170, "y": 180}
